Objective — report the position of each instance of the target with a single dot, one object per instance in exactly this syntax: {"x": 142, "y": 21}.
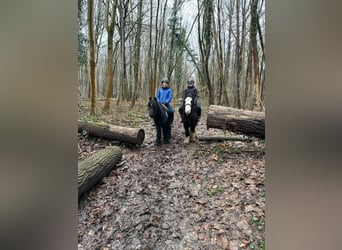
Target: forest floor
{"x": 205, "y": 195}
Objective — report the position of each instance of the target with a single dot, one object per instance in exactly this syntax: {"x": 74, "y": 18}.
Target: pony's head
{"x": 188, "y": 103}
{"x": 152, "y": 107}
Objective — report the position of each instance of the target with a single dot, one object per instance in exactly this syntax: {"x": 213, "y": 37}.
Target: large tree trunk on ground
{"x": 92, "y": 170}
{"x": 237, "y": 120}
{"x": 134, "y": 136}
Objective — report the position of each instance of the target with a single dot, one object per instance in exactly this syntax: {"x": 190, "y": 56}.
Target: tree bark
{"x": 253, "y": 35}
{"x": 92, "y": 170}
{"x": 110, "y": 33}
{"x": 122, "y": 33}
{"x": 237, "y": 120}
{"x": 134, "y": 136}
{"x": 204, "y": 42}
{"x": 136, "y": 63}
{"x": 91, "y": 55}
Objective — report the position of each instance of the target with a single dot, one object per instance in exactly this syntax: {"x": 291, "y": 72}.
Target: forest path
{"x": 197, "y": 196}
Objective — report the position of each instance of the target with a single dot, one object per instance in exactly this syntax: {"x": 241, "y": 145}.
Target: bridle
{"x": 152, "y": 108}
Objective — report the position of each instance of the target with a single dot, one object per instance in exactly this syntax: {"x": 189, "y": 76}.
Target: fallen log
{"x": 134, "y": 136}
{"x": 92, "y": 170}
{"x": 222, "y": 138}
{"x": 242, "y": 121}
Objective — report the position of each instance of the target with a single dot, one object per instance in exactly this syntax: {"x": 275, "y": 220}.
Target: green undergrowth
{"x": 123, "y": 115}
{"x": 213, "y": 191}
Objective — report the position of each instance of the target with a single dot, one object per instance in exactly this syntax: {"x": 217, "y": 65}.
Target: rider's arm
{"x": 169, "y": 96}
{"x": 158, "y": 95}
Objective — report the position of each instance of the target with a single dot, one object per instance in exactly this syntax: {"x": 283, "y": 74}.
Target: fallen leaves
{"x": 202, "y": 196}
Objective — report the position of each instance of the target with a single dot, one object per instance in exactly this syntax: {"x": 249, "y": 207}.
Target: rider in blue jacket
{"x": 164, "y": 96}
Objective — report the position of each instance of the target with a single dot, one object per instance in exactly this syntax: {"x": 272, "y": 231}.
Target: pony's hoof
{"x": 193, "y": 137}
{"x": 157, "y": 143}
{"x": 167, "y": 141}
{"x": 187, "y": 140}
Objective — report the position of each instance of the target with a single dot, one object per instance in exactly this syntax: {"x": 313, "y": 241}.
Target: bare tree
{"x": 219, "y": 52}
{"x": 204, "y": 41}
{"x": 137, "y": 53}
{"x": 156, "y": 51}
{"x": 110, "y": 33}
{"x": 149, "y": 54}
{"x": 254, "y": 47}
{"x": 122, "y": 31}
{"x": 82, "y": 50}
{"x": 151, "y": 40}
{"x": 91, "y": 55}
{"x": 228, "y": 45}
{"x": 262, "y": 64}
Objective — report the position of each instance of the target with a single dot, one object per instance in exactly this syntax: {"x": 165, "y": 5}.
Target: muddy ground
{"x": 206, "y": 195}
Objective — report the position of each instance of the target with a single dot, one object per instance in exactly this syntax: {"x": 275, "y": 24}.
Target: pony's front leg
{"x": 193, "y": 136}
{"x": 158, "y": 140}
{"x": 166, "y": 133}
{"x": 187, "y": 134}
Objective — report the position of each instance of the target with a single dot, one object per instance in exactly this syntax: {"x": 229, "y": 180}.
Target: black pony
{"x": 161, "y": 120}
{"x": 190, "y": 119}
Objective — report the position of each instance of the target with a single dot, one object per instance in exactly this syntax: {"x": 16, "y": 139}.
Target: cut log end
{"x": 93, "y": 169}
{"x": 140, "y": 136}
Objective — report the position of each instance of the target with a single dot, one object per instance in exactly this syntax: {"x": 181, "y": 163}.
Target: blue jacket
{"x": 164, "y": 95}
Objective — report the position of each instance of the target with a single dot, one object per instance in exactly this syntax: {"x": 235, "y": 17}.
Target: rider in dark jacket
{"x": 192, "y": 91}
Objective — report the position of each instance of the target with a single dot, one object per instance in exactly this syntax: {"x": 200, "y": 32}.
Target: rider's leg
{"x": 171, "y": 114}
{"x": 199, "y": 110}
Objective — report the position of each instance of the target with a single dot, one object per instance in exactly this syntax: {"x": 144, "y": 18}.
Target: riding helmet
{"x": 191, "y": 81}
{"x": 165, "y": 79}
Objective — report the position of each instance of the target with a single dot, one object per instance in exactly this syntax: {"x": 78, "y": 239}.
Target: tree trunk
{"x": 253, "y": 34}
{"x": 237, "y": 120}
{"x": 122, "y": 32}
{"x": 134, "y": 136}
{"x": 92, "y": 170}
{"x": 151, "y": 84}
{"x": 238, "y": 59}
{"x": 219, "y": 55}
{"x": 91, "y": 55}
{"x": 136, "y": 62}
{"x": 110, "y": 33}
{"x": 204, "y": 43}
